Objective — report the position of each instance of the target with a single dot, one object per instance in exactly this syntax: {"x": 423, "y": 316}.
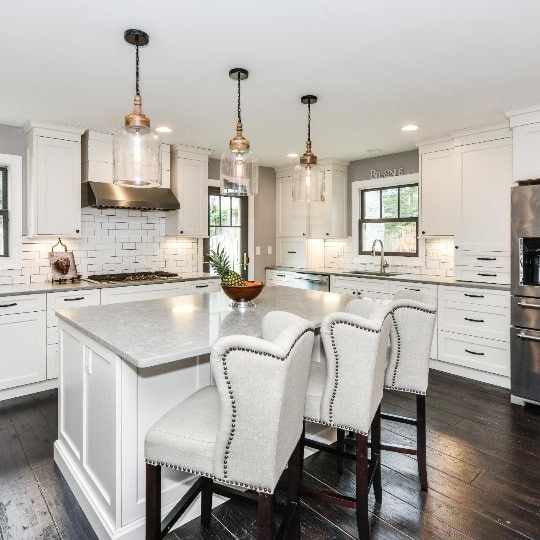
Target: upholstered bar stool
{"x": 241, "y": 432}
{"x": 346, "y": 392}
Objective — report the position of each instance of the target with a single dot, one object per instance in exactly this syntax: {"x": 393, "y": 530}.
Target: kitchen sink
{"x": 372, "y": 273}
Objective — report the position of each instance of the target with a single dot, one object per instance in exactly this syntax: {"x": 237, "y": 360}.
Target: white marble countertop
{"x": 154, "y": 332}
{"x": 47, "y": 287}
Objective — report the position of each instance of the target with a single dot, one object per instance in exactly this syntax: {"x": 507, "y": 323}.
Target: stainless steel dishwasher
{"x": 313, "y": 282}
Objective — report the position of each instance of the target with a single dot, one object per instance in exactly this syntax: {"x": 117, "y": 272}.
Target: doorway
{"x": 228, "y": 227}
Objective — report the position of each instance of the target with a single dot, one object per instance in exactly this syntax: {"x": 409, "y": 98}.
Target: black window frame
{"x": 399, "y": 219}
{"x": 4, "y": 211}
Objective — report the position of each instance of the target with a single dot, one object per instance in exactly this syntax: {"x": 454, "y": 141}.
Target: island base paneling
{"x": 106, "y": 407}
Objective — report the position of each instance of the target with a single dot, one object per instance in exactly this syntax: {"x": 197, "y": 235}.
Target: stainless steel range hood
{"x": 108, "y": 195}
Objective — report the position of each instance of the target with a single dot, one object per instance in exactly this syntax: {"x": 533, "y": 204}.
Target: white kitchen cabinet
{"x": 23, "y": 339}
{"x": 201, "y": 286}
{"x": 54, "y": 180}
{"x": 437, "y": 189}
{"x": 283, "y": 278}
{"x": 189, "y": 182}
{"x": 59, "y": 300}
{"x": 133, "y": 293}
{"x": 291, "y": 217}
{"x": 300, "y": 252}
{"x": 362, "y": 287}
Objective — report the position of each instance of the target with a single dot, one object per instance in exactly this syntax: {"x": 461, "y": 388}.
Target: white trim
{"x": 14, "y": 166}
{"x": 360, "y": 185}
{"x": 26, "y": 389}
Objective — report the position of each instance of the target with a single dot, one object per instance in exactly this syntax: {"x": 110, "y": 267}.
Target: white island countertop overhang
{"x": 155, "y": 332}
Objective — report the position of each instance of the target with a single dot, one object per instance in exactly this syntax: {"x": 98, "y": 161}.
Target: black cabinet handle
{"x": 74, "y": 299}
{"x": 423, "y": 232}
{"x": 410, "y": 289}
{"x": 473, "y": 320}
{"x": 8, "y": 305}
{"x": 303, "y": 234}
{"x": 76, "y": 230}
{"x": 474, "y": 352}
{"x": 486, "y": 258}
{"x": 327, "y": 234}
{"x": 487, "y": 275}
{"x": 291, "y": 252}
{"x": 456, "y": 247}
{"x": 474, "y": 295}
{"x": 281, "y": 275}
{"x": 201, "y": 286}
{"x": 181, "y": 232}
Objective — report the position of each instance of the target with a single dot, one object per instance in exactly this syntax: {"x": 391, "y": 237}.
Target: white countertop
{"x": 154, "y": 332}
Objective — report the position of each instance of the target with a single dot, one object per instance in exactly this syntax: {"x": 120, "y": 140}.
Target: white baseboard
{"x": 27, "y": 389}
{"x": 475, "y": 374}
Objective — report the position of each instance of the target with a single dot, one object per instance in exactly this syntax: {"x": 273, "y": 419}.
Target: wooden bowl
{"x": 248, "y": 292}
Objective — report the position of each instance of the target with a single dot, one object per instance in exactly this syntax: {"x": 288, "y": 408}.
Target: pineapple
{"x": 219, "y": 261}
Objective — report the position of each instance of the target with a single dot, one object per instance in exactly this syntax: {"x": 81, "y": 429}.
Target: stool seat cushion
{"x": 315, "y": 390}
{"x": 185, "y": 437}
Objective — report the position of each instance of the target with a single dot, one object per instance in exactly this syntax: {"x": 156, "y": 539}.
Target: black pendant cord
{"x": 137, "y": 66}
{"x": 239, "y": 111}
{"x": 309, "y": 122}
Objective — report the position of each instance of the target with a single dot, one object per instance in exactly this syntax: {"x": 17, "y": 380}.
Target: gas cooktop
{"x": 131, "y": 276}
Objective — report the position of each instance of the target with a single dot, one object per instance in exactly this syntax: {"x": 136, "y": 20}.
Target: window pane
{"x": 235, "y": 211}
{"x": 1, "y": 190}
{"x": 3, "y": 245}
{"x": 390, "y": 203}
{"x": 398, "y": 237}
{"x": 372, "y": 204}
{"x": 408, "y": 201}
{"x": 226, "y": 211}
{"x": 214, "y": 210}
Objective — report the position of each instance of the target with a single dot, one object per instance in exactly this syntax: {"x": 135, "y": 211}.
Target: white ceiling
{"x": 374, "y": 65}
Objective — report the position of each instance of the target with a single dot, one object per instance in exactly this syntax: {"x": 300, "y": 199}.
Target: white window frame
{"x": 14, "y": 167}
{"x": 357, "y": 188}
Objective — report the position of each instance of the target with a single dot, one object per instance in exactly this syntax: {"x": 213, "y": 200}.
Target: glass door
{"x": 228, "y": 227}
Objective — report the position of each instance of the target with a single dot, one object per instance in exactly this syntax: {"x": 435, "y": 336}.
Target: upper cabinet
{"x": 324, "y": 219}
{"x": 54, "y": 179}
{"x": 189, "y": 182}
{"x": 437, "y": 189}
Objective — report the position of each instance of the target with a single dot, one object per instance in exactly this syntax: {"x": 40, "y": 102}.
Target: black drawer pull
{"x": 474, "y": 352}
{"x": 474, "y": 320}
{"x": 8, "y": 305}
{"x": 410, "y": 289}
{"x": 474, "y": 295}
{"x": 74, "y": 299}
{"x": 201, "y": 286}
{"x": 486, "y": 258}
{"x": 487, "y": 275}
{"x": 291, "y": 252}
{"x": 281, "y": 275}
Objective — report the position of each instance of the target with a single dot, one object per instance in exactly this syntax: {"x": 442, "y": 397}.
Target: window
{"x": 4, "y": 224}
{"x": 389, "y": 214}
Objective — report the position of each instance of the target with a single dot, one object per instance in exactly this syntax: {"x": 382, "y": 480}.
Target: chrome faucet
{"x": 384, "y": 264}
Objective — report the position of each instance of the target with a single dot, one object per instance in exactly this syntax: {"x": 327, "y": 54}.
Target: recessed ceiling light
{"x": 409, "y": 127}
{"x": 292, "y": 155}
{"x": 163, "y": 129}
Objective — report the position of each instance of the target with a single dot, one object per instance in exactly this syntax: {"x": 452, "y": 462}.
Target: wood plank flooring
{"x": 483, "y": 470}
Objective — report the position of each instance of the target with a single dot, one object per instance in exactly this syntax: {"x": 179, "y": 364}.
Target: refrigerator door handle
{"x": 527, "y": 337}
{"x": 525, "y": 304}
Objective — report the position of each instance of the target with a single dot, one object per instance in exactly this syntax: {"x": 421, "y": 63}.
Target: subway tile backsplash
{"x": 112, "y": 240}
{"x": 438, "y": 258}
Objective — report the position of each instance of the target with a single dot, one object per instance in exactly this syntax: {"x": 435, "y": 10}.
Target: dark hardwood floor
{"x": 483, "y": 470}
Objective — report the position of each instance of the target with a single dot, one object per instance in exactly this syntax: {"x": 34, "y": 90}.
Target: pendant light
{"x": 308, "y": 177}
{"x": 239, "y": 167}
{"x": 136, "y": 147}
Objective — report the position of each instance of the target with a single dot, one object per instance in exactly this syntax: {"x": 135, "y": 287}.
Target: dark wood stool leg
{"x": 301, "y": 450}
{"x": 362, "y": 483}
{"x": 421, "y": 440}
{"x": 153, "y": 502}
{"x": 206, "y": 501}
{"x": 265, "y": 518}
{"x": 376, "y": 454}
{"x": 340, "y": 447}
{"x": 293, "y": 493}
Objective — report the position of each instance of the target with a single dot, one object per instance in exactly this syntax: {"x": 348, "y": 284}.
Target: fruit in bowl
{"x": 232, "y": 283}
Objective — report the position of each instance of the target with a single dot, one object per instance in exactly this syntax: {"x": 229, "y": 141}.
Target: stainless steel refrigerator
{"x": 525, "y": 311}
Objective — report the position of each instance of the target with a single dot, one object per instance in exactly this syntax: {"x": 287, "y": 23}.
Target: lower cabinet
{"x": 22, "y": 335}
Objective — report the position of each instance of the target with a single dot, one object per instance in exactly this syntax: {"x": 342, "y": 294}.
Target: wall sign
{"x": 388, "y": 172}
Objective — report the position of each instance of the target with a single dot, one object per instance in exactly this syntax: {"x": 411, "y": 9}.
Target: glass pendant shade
{"x": 239, "y": 173}
{"x": 137, "y": 157}
{"x": 308, "y": 183}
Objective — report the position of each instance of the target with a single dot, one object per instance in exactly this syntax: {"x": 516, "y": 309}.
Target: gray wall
{"x": 265, "y": 216}
{"x": 359, "y": 170}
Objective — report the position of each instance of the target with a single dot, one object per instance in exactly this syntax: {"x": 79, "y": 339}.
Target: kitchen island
{"x": 122, "y": 367}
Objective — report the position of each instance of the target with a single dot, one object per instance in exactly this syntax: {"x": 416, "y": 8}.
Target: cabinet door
{"x": 23, "y": 338}
{"x": 328, "y": 218}
{"x": 57, "y": 181}
{"x": 291, "y": 252}
{"x": 483, "y": 205}
{"x": 291, "y": 216}
{"x": 438, "y": 185}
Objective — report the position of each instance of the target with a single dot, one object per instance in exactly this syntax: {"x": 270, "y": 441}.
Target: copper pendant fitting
{"x": 137, "y": 118}
{"x": 239, "y": 143}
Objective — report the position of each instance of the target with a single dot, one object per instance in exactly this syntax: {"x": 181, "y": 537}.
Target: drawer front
{"x": 426, "y": 288}
{"x": 141, "y": 292}
{"x": 201, "y": 286}
{"x": 525, "y": 346}
{"x": 483, "y": 275}
{"x": 478, "y": 297}
{"x": 70, "y": 299}
{"x": 363, "y": 284}
{"x": 279, "y": 277}
{"x": 483, "y": 259}
{"x": 491, "y": 323}
{"x": 291, "y": 252}
{"x": 24, "y": 303}
{"x": 525, "y": 312}
{"x": 477, "y": 353}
